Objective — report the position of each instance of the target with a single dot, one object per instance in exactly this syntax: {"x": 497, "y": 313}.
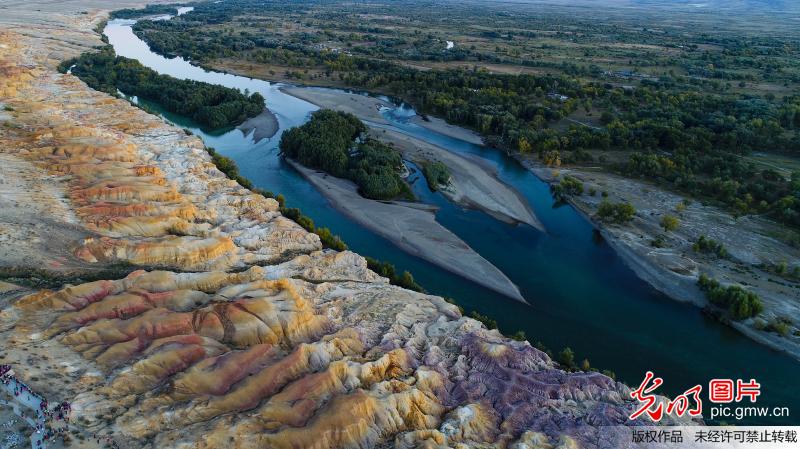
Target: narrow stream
{"x": 581, "y": 294}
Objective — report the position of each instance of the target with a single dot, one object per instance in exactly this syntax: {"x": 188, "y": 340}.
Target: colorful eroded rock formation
{"x": 231, "y": 328}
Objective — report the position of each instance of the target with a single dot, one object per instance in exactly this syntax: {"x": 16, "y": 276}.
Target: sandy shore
{"x": 264, "y": 124}
{"x": 413, "y": 228}
{"x": 442, "y": 127}
{"x": 362, "y": 106}
{"x": 368, "y": 108}
{"x": 472, "y": 184}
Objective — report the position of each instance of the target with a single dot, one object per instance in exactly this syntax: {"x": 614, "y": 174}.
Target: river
{"x": 581, "y": 293}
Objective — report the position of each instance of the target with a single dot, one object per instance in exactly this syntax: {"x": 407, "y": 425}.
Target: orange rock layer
{"x": 145, "y": 194}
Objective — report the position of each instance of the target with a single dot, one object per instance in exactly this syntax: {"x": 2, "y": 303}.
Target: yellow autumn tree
{"x": 523, "y": 145}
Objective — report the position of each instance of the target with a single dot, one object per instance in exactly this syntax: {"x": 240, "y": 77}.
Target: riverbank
{"x": 672, "y": 266}
{"x": 413, "y": 228}
{"x": 440, "y": 126}
{"x": 263, "y": 126}
{"x": 368, "y": 108}
{"x": 362, "y": 106}
{"x": 472, "y": 184}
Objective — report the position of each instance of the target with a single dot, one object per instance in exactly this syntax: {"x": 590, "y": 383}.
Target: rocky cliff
{"x": 230, "y": 327}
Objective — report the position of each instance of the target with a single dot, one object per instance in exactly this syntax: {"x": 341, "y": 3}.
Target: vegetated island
{"x": 471, "y": 184}
{"x": 353, "y": 171}
{"x": 334, "y": 142}
{"x": 209, "y": 105}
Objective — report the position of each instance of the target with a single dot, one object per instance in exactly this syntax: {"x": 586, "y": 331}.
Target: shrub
{"x": 518, "y": 336}
{"x": 567, "y": 186}
{"x": 610, "y": 374}
{"x": 228, "y": 166}
{"x": 437, "y": 174}
{"x": 585, "y": 365}
{"x": 330, "y": 240}
{"x": 670, "y": 223}
{"x": 615, "y": 212}
{"x": 488, "y": 322}
{"x": 387, "y": 270}
{"x": 709, "y": 246}
{"x": 780, "y": 326}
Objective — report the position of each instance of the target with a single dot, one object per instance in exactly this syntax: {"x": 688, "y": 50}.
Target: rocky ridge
{"x": 255, "y": 337}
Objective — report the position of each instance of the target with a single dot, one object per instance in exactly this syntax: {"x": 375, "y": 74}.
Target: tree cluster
{"x": 333, "y": 142}
{"x": 739, "y": 303}
{"x": 209, "y": 105}
{"x": 707, "y": 245}
{"x": 387, "y": 270}
{"x": 619, "y": 213}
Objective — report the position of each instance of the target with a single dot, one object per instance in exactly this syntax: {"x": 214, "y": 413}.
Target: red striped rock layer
{"x": 239, "y": 360}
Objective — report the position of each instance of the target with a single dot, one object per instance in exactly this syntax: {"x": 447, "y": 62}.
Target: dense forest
{"x": 334, "y": 142}
{"x": 149, "y": 10}
{"x": 210, "y": 105}
{"x": 689, "y": 129}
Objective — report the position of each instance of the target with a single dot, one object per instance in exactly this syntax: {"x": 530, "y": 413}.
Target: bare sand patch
{"x": 263, "y": 126}
{"x": 472, "y": 184}
{"x": 413, "y": 228}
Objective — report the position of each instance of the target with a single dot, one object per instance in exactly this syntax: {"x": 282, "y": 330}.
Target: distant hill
{"x": 775, "y": 18}
{"x": 744, "y": 6}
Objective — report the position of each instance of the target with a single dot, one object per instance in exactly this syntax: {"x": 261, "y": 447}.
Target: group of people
{"x": 44, "y": 415}
{"x": 107, "y": 440}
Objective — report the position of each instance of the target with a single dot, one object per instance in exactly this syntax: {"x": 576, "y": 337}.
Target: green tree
{"x": 567, "y": 358}
{"x": 739, "y": 303}
{"x": 619, "y": 213}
